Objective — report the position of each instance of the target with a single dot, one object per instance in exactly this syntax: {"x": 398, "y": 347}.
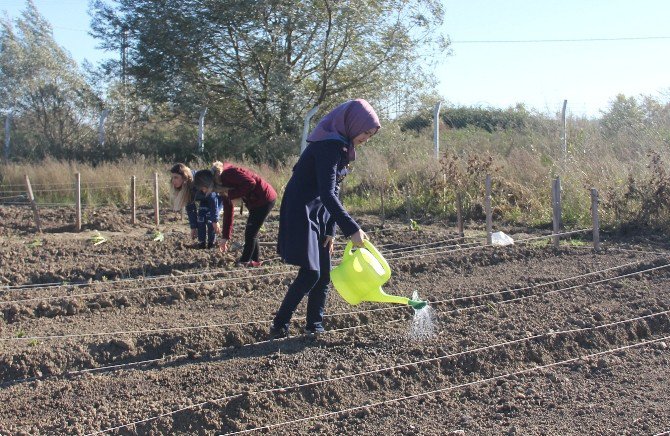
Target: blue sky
{"x": 589, "y": 74}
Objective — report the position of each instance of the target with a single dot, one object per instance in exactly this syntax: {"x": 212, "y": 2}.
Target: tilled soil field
{"x": 136, "y": 336}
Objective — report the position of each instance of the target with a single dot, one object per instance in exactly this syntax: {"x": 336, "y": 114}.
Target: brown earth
{"x": 137, "y": 336}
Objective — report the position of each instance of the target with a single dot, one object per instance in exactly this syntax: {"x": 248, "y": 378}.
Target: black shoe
{"x": 202, "y": 245}
{"x": 277, "y": 333}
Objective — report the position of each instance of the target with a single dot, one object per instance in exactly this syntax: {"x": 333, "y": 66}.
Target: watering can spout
{"x": 361, "y": 274}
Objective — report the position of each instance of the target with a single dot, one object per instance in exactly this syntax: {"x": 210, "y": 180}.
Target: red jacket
{"x": 247, "y": 185}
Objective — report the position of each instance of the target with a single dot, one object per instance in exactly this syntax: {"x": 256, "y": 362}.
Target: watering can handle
{"x": 347, "y": 249}
{"x": 371, "y": 248}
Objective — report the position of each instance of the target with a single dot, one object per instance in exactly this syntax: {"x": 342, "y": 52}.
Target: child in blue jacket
{"x": 203, "y": 210}
{"x": 311, "y": 207}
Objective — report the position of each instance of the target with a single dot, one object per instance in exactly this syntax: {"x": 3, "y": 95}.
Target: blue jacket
{"x": 208, "y": 200}
{"x": 311, "y": 207}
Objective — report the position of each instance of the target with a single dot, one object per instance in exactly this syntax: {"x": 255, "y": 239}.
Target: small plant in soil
{"x": 37, "y": 242}
{"x": 157, "y": 236}
{"x": 97, "y": 238}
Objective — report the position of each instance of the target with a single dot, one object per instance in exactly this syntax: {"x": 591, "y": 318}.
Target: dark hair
{"x": 204, "y": 179}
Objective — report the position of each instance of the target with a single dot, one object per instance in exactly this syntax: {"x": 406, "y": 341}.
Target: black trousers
{"x": 254, "y": 223}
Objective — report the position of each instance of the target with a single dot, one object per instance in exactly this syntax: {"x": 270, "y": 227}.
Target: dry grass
{"x": 523, "y": 167}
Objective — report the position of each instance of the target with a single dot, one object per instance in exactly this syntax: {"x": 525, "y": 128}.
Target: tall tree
{"x": 262, "y": 64}
{"x": 40, "y": 84}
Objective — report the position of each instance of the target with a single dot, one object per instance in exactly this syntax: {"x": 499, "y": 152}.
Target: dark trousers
{"x": 311, "y": 283}
{"x": 255, "y": 221}
{"x": 205, "y": 222}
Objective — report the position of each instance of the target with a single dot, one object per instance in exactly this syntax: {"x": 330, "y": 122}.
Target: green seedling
{"x": 414, "y": 225}
{"x": 97, "y": 239}
{"x": 33, "y": 342}
{"x": 20, "y": 334}
{"x": 157, "y": 236}
{"x": 37, "y": 242}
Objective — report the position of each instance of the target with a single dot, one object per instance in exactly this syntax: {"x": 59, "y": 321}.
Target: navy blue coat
{"x": 310, "y": 207}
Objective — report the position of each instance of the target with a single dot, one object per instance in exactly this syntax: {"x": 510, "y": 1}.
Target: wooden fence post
{"x": 31, "y": 197}
{"x": 133, "y": 200}
{"x": 459, "y": 214}
{"x": 596, "y": 219}
{"x": 489, "y": 215}
{"x": 408, "y": 204}
{"x": 444, "y": 193}
{"x": 381, "y": 194}
{"x": 78, "y": 202}
{"x": 556, "y": 209}
{"x": 156, "y": 201}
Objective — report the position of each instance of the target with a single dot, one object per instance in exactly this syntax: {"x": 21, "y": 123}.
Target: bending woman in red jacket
{"x": 256, "y": 193}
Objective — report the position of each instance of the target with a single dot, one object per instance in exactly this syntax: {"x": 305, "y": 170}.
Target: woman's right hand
{"x": 358, "y": 237}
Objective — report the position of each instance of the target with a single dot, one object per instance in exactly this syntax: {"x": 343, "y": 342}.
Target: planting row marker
{"x": 31, "y": 197}
{"x": 78, "y": 202}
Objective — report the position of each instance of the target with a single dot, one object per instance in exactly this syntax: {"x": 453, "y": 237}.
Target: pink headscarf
{"x": 346, "y": 122}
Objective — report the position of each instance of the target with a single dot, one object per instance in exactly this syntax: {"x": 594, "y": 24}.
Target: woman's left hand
{"x": 330, "y": 243}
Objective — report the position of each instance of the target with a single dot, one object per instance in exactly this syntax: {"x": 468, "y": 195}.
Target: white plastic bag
{"x": 499, "y": 238}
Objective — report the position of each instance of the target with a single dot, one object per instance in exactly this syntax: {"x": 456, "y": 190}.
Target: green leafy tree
{"x": 40, "y": 85}
{"x": 625, "y": 116}
{"x": 260, "y": 65}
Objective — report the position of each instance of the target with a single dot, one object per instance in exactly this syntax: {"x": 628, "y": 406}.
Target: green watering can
{"x": 361, "y": 274}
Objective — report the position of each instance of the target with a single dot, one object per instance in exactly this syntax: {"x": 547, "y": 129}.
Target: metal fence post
{"x": 305, "y": 128}
{"x": 201, "y": 132}
{"x": 564, "y": 134}
{"x": 436, "y": 129}
{"x": 101, "y": 127}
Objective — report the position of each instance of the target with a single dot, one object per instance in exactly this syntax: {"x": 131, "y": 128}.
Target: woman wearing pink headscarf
{"x": 311, "y": 207}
